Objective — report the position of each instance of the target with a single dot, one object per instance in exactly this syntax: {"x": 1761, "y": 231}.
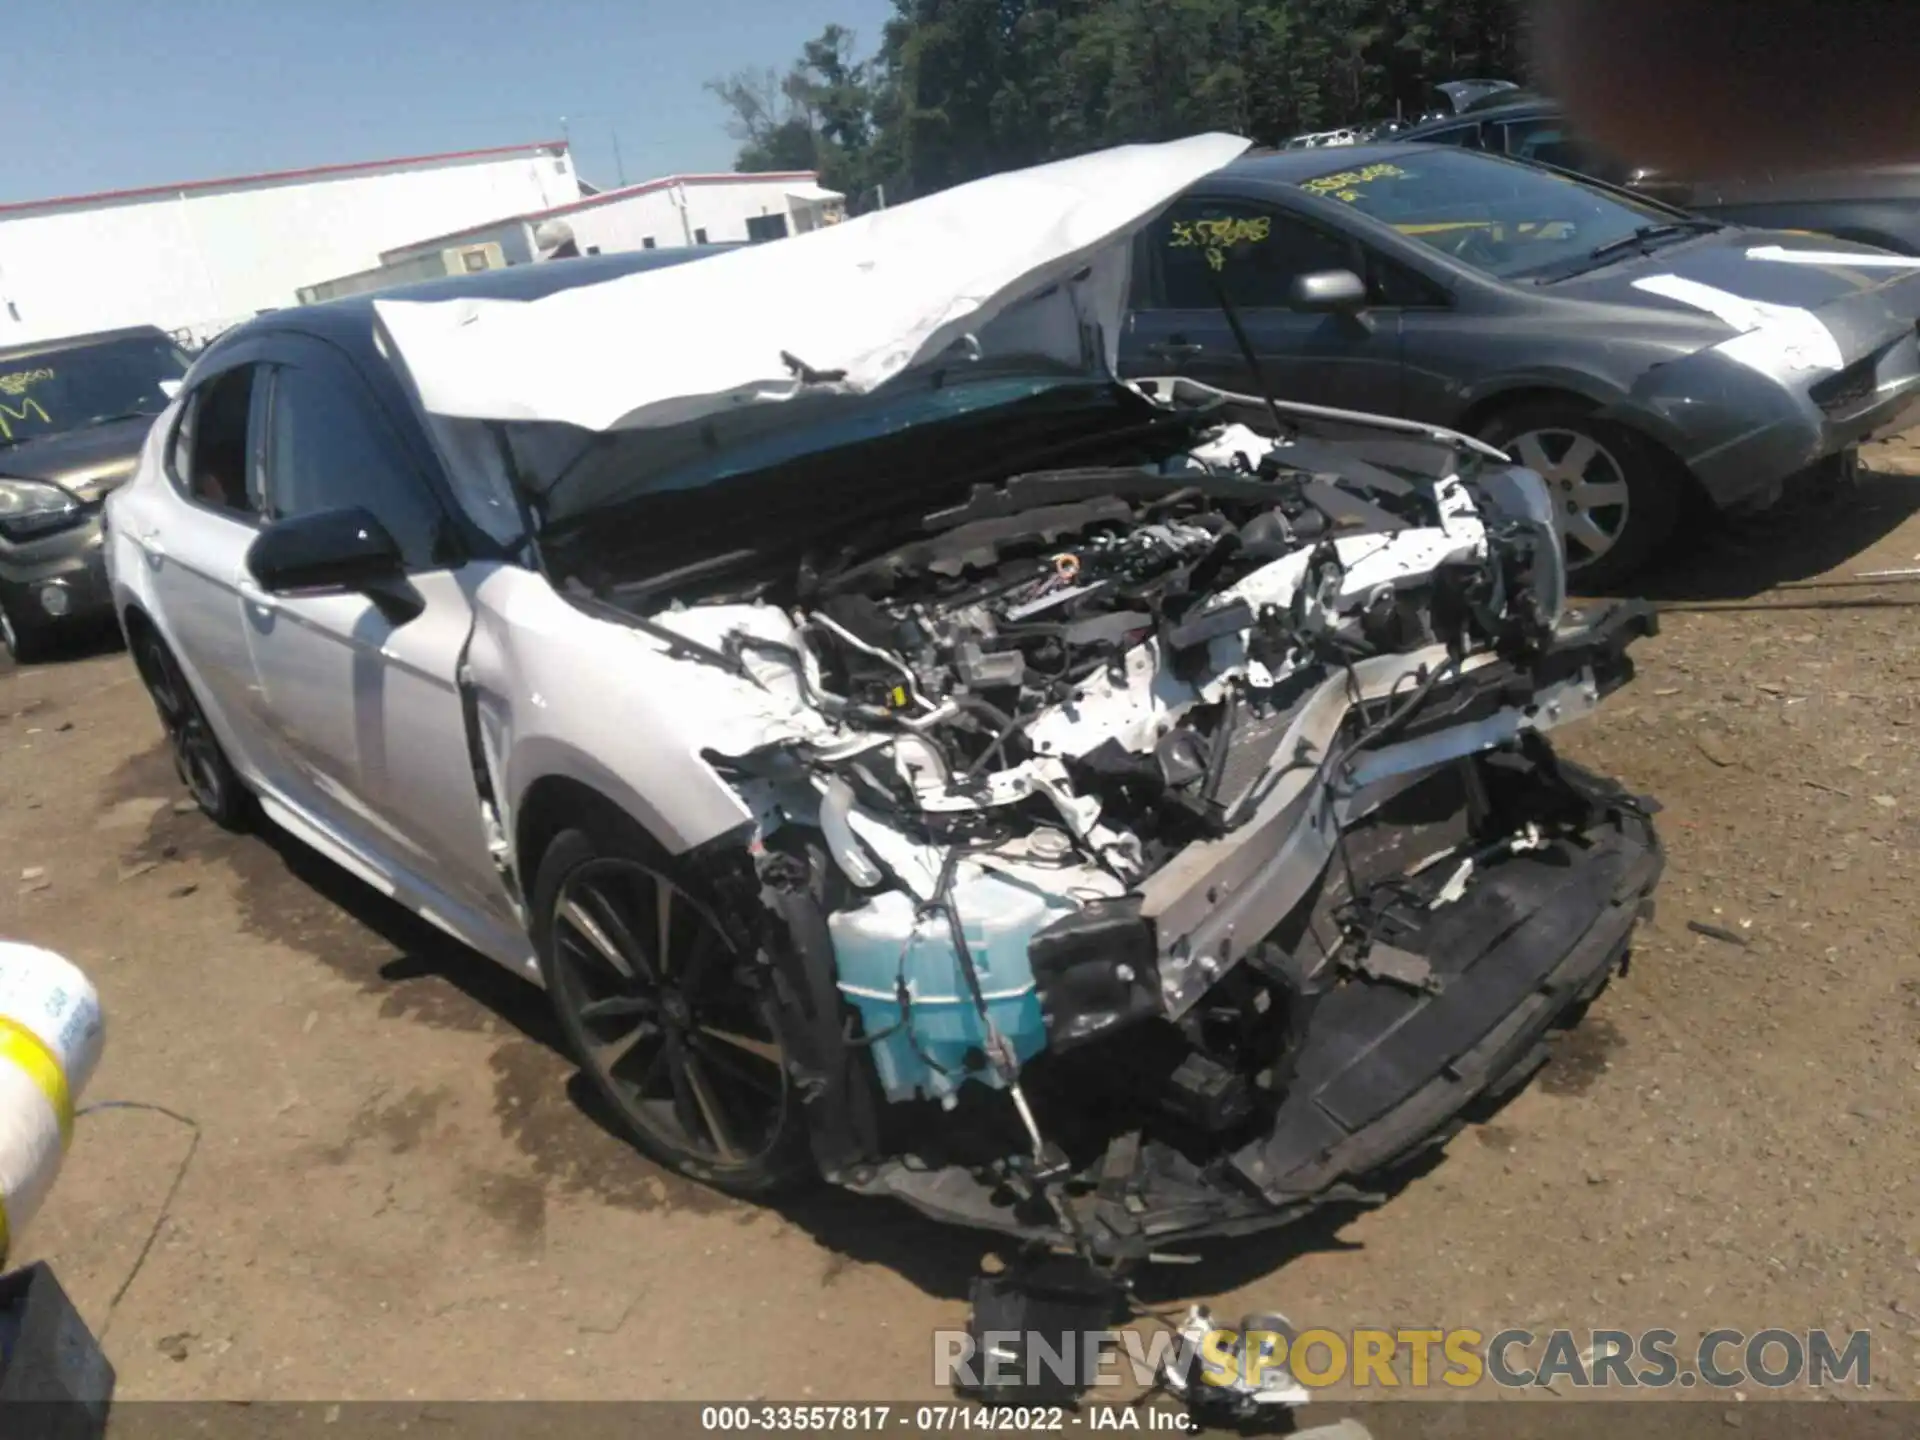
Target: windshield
{"x": 1513, "y": 221}
{"x": 56, "y": 391}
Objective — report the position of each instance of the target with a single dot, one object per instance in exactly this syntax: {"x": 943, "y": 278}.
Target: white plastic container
{"x": 51, "y": 1035}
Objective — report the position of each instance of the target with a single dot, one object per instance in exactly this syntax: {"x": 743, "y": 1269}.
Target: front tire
{"x": 1618, "y": 500}
{"x": 677, "y": 1028}
{"x": 26, "y": 641}
{"x": 203, "y": 766}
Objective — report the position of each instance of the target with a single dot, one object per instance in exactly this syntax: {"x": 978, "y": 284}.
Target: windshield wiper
{"x": 97, "y": 421}
{"x": 1648, "y": 235}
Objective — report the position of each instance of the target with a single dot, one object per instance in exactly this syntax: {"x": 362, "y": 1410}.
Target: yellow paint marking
{"x": 28, "y": 409}
{"x": 27, "y": 1053}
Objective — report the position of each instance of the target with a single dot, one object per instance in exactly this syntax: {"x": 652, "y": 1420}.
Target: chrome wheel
{"x": 7, "y": 636}
{"x": 1587, "y": 483}
{"x": 676, "y": 1029}
{"x": 196, "y": 754}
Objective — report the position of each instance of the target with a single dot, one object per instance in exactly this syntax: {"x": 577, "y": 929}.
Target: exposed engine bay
{"x": 1157, "y": 851}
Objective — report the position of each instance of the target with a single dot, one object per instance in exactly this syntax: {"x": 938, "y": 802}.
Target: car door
{"x": 360, "y": 697}
{"x": 1254, "y": 250}
{"x": 194, "y": 541}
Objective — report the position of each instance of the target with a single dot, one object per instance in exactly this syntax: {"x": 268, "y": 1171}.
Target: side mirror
{"x": 1329, "y": 291}
{"x": 329, "y": 550}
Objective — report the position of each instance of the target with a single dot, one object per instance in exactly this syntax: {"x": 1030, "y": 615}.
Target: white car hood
{"x": 870, "y": 297}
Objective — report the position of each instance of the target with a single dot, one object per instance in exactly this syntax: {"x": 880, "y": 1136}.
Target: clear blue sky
{"x": 109, "y": 94}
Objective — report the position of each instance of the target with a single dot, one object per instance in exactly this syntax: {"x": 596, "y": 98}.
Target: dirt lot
{"x": 397, "y": 1192}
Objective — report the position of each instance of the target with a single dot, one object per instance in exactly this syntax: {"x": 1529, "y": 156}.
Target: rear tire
{"x": 675, "y": 1027}
{"x": 1618, "y": 497}
{"x": 203, "y": 766}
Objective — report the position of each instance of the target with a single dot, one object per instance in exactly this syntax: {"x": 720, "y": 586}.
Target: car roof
{"x": 1502, "y": 107}
{"x": 532, "y": 281}
{"x": 74, "y": 342}
{"x": 1291, "y": 167}
{"x": 350, "y": 318}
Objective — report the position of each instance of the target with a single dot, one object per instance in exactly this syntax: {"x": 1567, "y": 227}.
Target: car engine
{"x": 1171, "y": 804}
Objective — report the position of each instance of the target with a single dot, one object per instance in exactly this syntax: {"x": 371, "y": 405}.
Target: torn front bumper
{"x": 1217, "y": 897}
{"x": 1385, "y": 1067}
{"x": 1388, "y": 1070}
{"x": 1748, "y": 436}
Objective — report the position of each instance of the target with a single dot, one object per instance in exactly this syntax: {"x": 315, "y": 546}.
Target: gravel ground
{"x": 393, "y": 1187}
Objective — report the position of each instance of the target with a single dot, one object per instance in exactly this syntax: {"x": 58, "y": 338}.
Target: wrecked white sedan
{"x": 1107, "y": 814}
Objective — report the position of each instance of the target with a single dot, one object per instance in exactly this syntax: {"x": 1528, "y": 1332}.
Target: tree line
{"x": 956, "y": 89}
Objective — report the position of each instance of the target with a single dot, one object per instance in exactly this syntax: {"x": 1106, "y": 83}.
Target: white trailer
{"x": 196, "y": 257}
{"x": 675, "y": 210}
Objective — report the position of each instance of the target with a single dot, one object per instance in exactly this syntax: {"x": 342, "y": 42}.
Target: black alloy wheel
{"x": 676, "y": 1028}
{"x": 203, "y": 766}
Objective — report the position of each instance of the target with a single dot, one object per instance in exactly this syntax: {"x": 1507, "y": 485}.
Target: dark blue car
{"x": 1639, "y": 357}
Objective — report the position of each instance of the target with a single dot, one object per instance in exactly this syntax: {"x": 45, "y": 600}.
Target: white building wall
{"x": 200, "y": 259}
{"x": 670, "y": 213}
{"x": 718, "y": 206}
{"x": 514, "y": 236}
{"x": 628, "y": 223}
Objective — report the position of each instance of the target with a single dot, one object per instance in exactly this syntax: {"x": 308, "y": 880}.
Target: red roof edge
{"x": 277, "y": 176}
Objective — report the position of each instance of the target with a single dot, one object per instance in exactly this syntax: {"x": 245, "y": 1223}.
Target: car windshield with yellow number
{"x": 53, "y": 390}
{"x": 1506, "y": 219}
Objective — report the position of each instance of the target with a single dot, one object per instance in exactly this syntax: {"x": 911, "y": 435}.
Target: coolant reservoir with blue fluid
{"x": 887, "y": 941}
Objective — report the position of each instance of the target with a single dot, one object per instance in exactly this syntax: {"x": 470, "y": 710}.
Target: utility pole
{"x": 619, "y": 165}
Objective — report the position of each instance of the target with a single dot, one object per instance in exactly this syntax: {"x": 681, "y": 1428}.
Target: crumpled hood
{"x": 856, "y": 303}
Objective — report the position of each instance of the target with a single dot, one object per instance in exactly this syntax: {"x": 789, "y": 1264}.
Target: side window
{"x": 212, "y": 460}
{"x": 1255, "y": 250}
{"x": 1548, "y": 142}
{"x": 329, "y": 448}
{"x": 1398, "y": 287}
{"x": 1467, "y": 137}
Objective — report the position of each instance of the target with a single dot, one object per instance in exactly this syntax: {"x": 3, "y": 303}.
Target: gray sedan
{"x": 1637, "y": 356}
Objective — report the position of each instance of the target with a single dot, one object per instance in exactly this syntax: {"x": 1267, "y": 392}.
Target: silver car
{"x": 1108, "y": 814}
